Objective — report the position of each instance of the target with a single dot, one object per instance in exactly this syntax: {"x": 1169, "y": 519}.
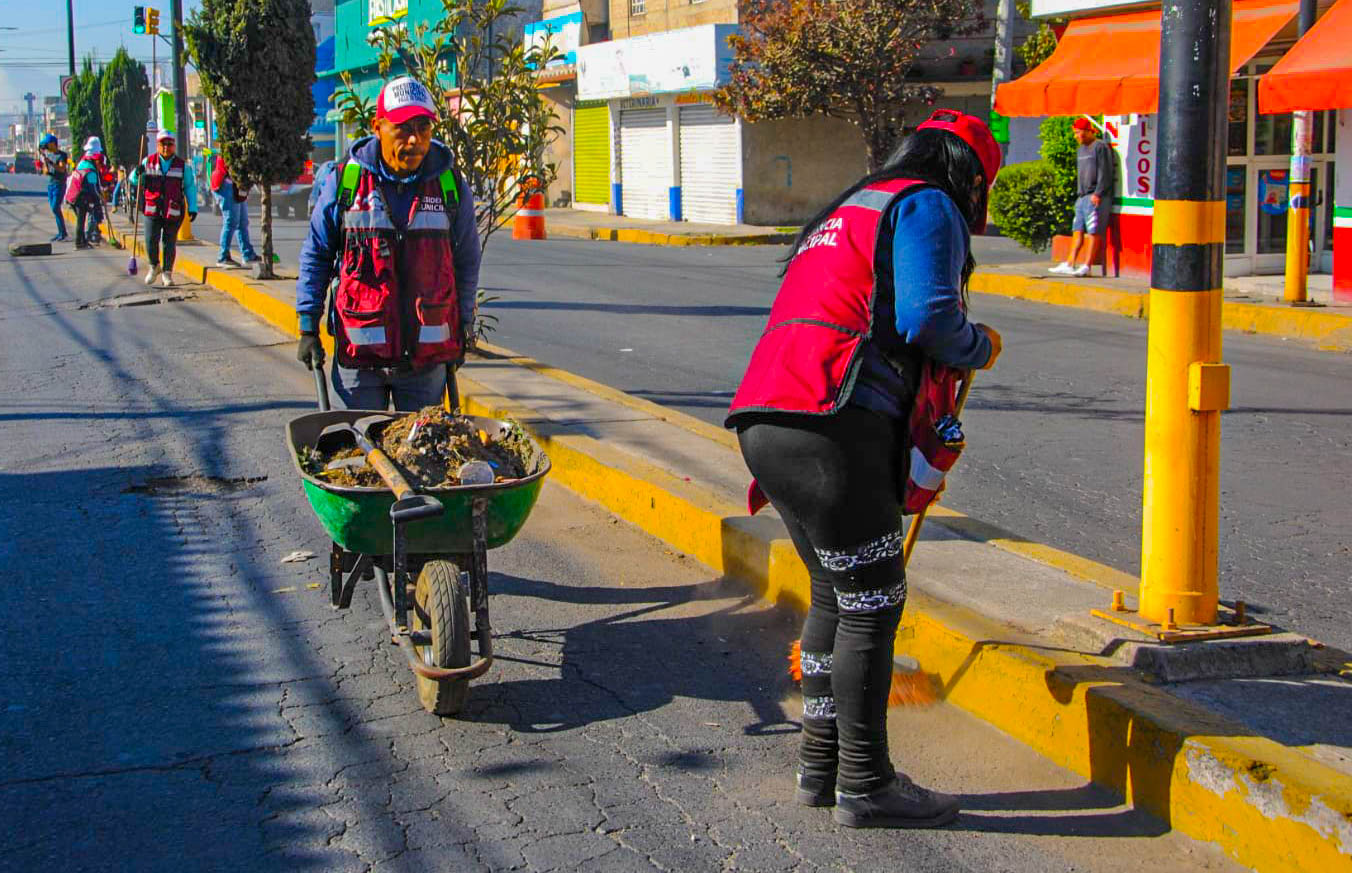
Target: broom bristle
{"x": 909, "y": 687}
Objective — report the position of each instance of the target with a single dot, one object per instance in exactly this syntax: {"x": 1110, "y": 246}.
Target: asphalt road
{"x": 1055, "y": 433}
{"x": 173, "y": 696}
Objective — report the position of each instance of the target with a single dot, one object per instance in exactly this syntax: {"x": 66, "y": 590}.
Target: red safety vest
{"x": 164, "y": 191}
{"x": 396, "y": 301}
{"x": 808, "y": 357}
{"x": 807, "y": 360}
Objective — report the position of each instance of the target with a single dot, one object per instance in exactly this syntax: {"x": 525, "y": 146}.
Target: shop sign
{"x": 1134, "y": 142}
{"x": 385, "y": 11}
{"x": 1081, "y": 8}
{"x": 640, "y": 103}
{"x": 691, "y": 59}
{"x": 564, "y": 33}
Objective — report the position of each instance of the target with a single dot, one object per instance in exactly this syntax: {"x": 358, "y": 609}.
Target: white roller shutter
{"x": 645, "y": 163}
{"x": 711, "y": 165}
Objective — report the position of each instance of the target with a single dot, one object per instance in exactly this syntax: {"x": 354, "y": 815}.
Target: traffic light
{"x": 152, "y": 20}
{"x": 138, "y": 20}
{"x": 199, "y": 117}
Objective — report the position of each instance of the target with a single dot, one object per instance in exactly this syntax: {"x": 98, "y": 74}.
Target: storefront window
{"x": 1236, "y": 187}
{"x": 1329, "y": 188}
{"x": 1238, "y": 116}
{"x": 1272, "y": 134}
{"x": 1317, "y": 141}
{"x": 1272, "y": 204}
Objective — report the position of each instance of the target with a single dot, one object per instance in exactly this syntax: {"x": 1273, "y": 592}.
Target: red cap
{"x": 1082, "y": 123}
{"x": 405, "y": 98}
{"x": 974, "y": 132}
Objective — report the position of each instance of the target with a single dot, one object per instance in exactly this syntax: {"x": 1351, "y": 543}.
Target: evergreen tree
{"x": 257, "y": 62}
{"x": 86, "y": 118}
{"x": 124, "y": 100}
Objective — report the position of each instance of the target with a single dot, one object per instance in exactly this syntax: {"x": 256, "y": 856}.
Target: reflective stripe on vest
{"x": 922, "y": 473}
{"x": 808, "y": 358}
{"x": 366, "y": 336}
{"x": 434, "y": 333}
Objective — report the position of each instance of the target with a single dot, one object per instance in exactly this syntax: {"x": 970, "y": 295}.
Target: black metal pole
{"x": 1186, "y": 384}
{"x": 70, "y": 33}
{"x": 180, "y": 81}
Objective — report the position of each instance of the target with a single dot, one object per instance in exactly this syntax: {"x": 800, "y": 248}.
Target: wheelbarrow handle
{"x": 321, "y": 388}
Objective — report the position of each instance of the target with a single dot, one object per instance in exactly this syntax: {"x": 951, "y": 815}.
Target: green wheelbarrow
{"x": 428, "y": 557}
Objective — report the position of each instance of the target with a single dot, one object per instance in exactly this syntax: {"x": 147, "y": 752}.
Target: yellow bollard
{"x": 185, "y": 229}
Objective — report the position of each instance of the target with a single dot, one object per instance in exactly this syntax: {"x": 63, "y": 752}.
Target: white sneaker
{"x": 167, "y": 279}
{"x": 1061, "y": 268}
{"x": 1081, "y": 271}
{"x": 152, "y": 273}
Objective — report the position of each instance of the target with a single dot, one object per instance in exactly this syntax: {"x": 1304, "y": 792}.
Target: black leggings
{"x": 834, "y": 482}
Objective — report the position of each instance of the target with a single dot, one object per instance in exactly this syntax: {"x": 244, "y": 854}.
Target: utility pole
{"x": 70, "y": 33}
{"x": 1003, "y": 71}
{"x": 1298, "y": 211}
{"x": 181, "y": 103}
{"x": 1186, "y": 384}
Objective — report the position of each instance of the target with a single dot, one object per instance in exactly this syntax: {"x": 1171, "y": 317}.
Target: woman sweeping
{"x": 875, "y": 286}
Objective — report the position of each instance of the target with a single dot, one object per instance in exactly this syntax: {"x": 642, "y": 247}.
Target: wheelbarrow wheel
{"x": 441, "y": 605}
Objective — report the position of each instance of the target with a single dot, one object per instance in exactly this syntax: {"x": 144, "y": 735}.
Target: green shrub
{"x": 1024, "y": 203}
{"x": 1059, "y": 148}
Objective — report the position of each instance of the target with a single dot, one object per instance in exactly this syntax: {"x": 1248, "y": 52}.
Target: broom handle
{"x": 135, "y": 213}
{"x": 913, "y": 532}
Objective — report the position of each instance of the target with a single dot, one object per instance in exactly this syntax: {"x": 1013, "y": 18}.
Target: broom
{"x": 135, "y": 213}
{"x": 911, "y": 686}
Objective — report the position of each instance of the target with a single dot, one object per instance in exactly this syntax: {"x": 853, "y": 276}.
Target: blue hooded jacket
{"x": 319, "y": 251}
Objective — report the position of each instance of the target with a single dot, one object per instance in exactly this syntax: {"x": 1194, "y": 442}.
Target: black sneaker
{"x": 815, "y": 791}
{"x": 228, "y": 263}
{"x": 902, "y": 804}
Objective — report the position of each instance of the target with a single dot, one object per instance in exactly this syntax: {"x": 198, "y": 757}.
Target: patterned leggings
{"x": 834, "y": 482}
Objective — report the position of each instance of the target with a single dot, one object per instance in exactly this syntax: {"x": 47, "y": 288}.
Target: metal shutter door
{"x": 591, "y": 153}
{"x": 645, "y": 163}
{"x": 711, "y": 165}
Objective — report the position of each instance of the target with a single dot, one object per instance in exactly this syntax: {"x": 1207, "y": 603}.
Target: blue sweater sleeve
{"x": 929, "y": 247}
{"x": 316, "y": 256}
{"x": 465, "y": 244}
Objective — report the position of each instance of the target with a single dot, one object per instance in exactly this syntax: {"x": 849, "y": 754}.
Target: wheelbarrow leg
{"x": 478, "y": 578}
{"x": 342, "y": 586}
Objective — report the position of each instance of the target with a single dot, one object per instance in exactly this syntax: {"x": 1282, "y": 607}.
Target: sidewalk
{"x": 1261, "y": 766}
{"x": 582, "y": 224}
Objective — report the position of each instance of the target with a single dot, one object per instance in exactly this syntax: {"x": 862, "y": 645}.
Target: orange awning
{"x": 1317, "y": 72}
{"x": 1110, "y": 64}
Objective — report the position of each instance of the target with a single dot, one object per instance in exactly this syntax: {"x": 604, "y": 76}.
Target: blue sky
{"x": 33, "y": 57}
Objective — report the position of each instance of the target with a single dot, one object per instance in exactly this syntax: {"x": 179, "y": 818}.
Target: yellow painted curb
{"x": 657, "y": 238}
{"x": 1270, "y": 807}
{"x": 1327, "y": 330}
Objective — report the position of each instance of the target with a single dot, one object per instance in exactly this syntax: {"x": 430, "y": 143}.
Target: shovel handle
{"x": 389, "y": 473}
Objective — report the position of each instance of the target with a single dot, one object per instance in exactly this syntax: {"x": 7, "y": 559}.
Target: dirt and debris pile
{"x": 429, "y": 447}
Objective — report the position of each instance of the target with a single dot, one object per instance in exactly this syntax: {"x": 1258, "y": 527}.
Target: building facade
{"x": 1099, "y": 69}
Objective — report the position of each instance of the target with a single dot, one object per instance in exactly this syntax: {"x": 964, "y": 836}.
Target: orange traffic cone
{"x": 530, "y": 216}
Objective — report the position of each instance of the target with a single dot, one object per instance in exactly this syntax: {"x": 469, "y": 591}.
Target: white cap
{"x": 165, "y": 134}
{"x": 94, "y": 145}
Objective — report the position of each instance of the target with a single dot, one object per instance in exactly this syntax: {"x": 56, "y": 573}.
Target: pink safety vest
{"x": 396, "y": 301}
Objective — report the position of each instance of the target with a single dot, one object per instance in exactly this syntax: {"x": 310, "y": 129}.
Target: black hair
{"x": 933, "y": 156}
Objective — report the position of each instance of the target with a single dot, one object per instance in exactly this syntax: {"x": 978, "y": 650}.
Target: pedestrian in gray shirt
{"x": 1093, "y": 202}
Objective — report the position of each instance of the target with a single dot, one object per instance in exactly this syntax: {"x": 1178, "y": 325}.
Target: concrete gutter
{"x": 1269, "y": 806}
{"x": 1328, "y": 329}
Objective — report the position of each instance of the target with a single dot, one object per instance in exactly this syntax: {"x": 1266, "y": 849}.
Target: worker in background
{"x": 166, "y": 191}
{"x": 56, "y": 166}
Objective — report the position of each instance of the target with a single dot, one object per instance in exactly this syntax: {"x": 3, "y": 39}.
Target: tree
{"x": 124, "y": 100}
{"x": 846, "y": 59}
{"x": 1040, "y": 43}
{"x": 495, "y": 122}
{"x": 257, "y": 63}
{"x": 86, "y": 118}
{"x": 1059, "y": 150}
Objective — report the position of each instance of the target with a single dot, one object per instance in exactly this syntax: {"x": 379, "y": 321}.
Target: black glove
{"x": 309, "y": 352}
{"x": 192, "y": 216}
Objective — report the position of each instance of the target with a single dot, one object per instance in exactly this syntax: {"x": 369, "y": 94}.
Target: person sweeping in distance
{"x": 874, "y": 295}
